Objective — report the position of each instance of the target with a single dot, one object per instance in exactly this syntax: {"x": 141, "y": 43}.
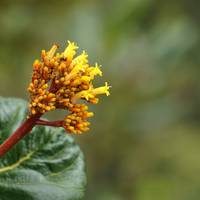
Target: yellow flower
{"x": 94, "y": 71}
{"x": 70, "y": 51}
{"x": 83, "y": 58}
{"x": 101, "y": 90}
{"x": 91, "y": 92}
{"x": 59, "y": 80}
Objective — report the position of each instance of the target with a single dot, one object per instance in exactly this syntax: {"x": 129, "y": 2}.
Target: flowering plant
{"x": 47, "y": 164}
{"x": 59, "y": 81}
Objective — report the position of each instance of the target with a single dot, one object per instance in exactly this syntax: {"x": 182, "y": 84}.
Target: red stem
{"x": 23, "y": 130}
{"x": 48, "y": 123}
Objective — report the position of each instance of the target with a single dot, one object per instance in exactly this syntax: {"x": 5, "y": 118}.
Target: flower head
{"x": 60, "y": 80}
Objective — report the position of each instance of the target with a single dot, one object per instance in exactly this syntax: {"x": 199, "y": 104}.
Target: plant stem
{"x": 23, "y": 130}
{"x": 49, "y": 123}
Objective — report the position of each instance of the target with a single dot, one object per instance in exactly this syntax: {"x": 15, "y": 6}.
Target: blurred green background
{"x": 144, "y": 142}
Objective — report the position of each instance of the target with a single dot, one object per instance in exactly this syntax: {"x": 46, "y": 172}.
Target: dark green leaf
{"x": 45, "y": 165}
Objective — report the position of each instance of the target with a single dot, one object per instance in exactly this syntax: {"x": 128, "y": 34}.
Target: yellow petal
{"x": 102, "y": 90}
{"x": 70, "y": 51}
{"x": 83, "y": 58}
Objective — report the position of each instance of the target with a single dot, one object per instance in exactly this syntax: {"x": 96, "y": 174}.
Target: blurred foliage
{"x": 144, "y": 140}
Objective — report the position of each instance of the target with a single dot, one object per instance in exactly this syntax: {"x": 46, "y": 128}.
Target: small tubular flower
{"x": 70, "y": 51}
{"x": 59, "y": 81}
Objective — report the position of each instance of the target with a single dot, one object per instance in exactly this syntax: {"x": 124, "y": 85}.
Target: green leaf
{"x": 45, "y": 165}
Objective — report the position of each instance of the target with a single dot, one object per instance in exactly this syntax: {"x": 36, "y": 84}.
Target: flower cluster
{"x": 59, "y": 80}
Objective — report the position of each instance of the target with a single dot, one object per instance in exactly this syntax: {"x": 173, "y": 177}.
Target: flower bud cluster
{"x": 59, "y": 80}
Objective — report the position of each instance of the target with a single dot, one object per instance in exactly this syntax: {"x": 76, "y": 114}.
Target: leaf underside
{"x": 45, "y": 165}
